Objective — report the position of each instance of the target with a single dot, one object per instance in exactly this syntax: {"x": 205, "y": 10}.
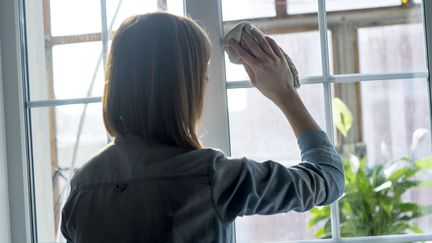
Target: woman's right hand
{"x": 269, "y": 73}
{"x": 265, "y": 64}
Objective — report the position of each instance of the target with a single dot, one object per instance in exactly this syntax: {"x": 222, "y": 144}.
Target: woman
{"x": 155, "y": 182}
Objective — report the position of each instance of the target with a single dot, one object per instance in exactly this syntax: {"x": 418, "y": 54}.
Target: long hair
{"x": 155, "y": 79}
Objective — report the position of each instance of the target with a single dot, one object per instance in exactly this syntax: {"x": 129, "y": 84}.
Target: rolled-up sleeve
{"x": 245, "y": 187}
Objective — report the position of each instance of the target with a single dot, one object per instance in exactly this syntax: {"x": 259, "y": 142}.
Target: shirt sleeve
{"x": 245, "y": 187}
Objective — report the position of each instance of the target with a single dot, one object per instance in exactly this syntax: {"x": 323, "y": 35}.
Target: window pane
{"x": 386, "y": 152}
{"x": 78, "y": 70}
{"x": 259, "y": 130}
{"x": 396, "y": 48}
{"x": 119, "y": 10}
{"x": 127, "y": 8}
{"x": 74, "y": 17}
{"x": 247, "y": 9}
{"x": 305, "y": 6}
{"x": 280, "y": 227}
{"x": 69, "y": 64}
{"x": 298, "y": 37}
{"x": 303, "y": 48}
{"x": 176, "y": 7}
{"x": 64, "y": 138}
{"x": 378, "y": 40}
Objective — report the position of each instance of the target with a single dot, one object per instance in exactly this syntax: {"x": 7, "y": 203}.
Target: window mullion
{"x": 214, "y": 125}
{"x": 322, "y": 22}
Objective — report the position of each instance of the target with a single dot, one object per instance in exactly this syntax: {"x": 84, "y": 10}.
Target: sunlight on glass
{"x": 238, "y": 100}
{"x": 75, "y": 17}
{"x": 260, "y": 118}
{"x": 260, "y": 131}
{"x": 247, "y": 9}
{"x": 303, "y": 48}
{"x": 127, "y": 8}
{"x": 396, "y": 48}
{"x": 176, "y": 7}
{"x": 307, "y": 6}
{"x": 73, "y": 74}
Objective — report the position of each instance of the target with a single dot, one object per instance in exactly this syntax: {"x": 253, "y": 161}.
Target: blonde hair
{"x": 155, "y": 79}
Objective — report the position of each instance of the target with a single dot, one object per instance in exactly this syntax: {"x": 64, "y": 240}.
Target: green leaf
{"x": 405, "y": 207}
{"x": 425, "y": 163}
{"x": 319, "y": 232}
{"x": 404, "y": 173}
{"x": 416, "y": 229}
{"x": 342, "y": 116}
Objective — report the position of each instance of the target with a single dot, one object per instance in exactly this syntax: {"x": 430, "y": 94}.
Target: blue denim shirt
{"x": 134, "y": 191}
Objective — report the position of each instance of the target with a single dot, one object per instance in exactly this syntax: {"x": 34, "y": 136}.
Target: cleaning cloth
{"x": 236, "y": 33}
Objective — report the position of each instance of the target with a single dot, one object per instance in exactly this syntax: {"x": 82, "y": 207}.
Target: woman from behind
{"x": 155, "y": 182}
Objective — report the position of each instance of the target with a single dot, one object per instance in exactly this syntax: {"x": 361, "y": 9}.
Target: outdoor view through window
{"x": 381, "y": 126}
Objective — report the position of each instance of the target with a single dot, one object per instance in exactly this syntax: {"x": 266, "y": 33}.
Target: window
{"x": 381, "y": 42}
{"x": 364, "y": 77}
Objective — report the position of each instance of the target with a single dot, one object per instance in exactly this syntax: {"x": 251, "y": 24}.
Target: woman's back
{"x": 138, "y": 192}
{"x": 134, "y": 191}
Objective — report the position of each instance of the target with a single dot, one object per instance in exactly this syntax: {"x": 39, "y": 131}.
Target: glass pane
{"x": 64, "y": 138}
{"x": 249, "y": 9}
{"x": 378, "y": 40}
{"x": 253, "y": 116}
{"x": 303, "y": 48}
{"x": 69, "y": 64}
{"x": 275, "y": 228}
{"x": 74, "y": 17}
{"x": 305, "y": 6}
{"x": 396, "y": 48}
{"x": 384, "y": 138}
{"x": 119, "y": 10}
{"x": 298, "y": 38}
{"x": 78, "y": 70}
{"x": 176, "y": 7}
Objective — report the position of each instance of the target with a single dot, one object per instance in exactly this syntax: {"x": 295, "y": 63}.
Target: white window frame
{"x": 16, "y": 183}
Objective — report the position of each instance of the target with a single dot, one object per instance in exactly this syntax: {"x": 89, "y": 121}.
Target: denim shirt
{"x": 135, "y": 191}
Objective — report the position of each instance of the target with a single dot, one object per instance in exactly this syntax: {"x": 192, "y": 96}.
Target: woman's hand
{"x": 269, "y": 73}
{"x": 265, "y": 64}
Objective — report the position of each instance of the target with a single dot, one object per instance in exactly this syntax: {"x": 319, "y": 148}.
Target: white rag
{"x": 236, "y": 33}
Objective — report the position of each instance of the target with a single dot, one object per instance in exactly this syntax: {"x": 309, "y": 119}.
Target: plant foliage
{"x": 373, "y": 203}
